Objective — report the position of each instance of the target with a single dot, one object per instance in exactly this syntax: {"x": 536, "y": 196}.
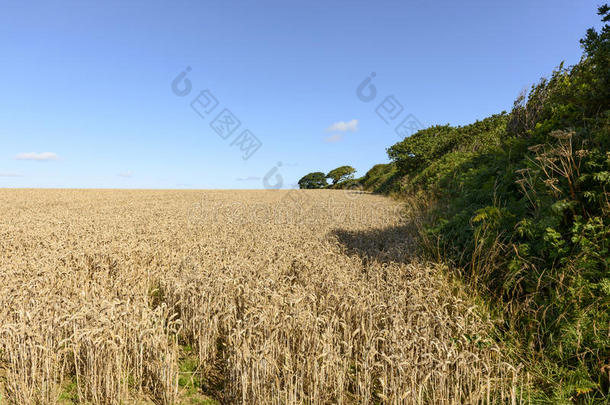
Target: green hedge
{"x": 523, "y": 212}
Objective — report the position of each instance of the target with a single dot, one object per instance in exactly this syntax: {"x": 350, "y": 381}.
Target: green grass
{"x": 190, "y": 381}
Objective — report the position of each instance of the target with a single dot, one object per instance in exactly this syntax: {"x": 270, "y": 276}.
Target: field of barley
{"x": 232, "y": 297}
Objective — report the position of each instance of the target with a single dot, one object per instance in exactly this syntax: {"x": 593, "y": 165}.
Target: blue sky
{"x": 87, "y": 96}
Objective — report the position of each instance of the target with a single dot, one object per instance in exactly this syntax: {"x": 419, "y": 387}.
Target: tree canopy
{"x": 313, "y": 180}
{"x": 340, "y": 174}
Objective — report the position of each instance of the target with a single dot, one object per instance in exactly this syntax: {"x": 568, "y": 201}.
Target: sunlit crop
{"x": 277, "y": 297}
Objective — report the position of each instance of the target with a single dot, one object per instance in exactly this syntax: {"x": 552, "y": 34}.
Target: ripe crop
{"x": 277, "y": 297}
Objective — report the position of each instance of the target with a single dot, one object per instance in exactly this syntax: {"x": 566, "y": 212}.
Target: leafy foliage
{"x": 313, "y": 180}
{"x": 341, "y": 174}
{"x": 381, "y": 178}
{"x": 523, "y": 211}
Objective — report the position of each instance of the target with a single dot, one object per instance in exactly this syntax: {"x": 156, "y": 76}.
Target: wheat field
{"x": 232, "y": 297}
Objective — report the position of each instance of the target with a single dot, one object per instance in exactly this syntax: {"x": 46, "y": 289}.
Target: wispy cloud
{"x": 126, "y": 174}
{"x": 343, "y": 126}
{"x": 42, "y": 156}
{"x": 9, "y": 174}
{"x": 249, "y": 178}
{"x": 334, "y": 138}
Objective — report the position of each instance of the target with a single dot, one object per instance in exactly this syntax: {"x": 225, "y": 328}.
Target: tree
{"x": 313, "y": 180}
{"x": 340, "y": 174}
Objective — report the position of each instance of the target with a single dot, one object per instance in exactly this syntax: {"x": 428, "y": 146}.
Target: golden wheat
{"x": 287, "y": 297}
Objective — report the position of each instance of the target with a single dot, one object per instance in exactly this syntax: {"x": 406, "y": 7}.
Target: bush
{"x": 524, "y": 214}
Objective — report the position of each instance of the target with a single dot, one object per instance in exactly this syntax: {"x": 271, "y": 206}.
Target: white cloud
{"x": 126, "y": 174}
{"x": 334, "y": 138}
{"x": 343, "y": 126}
{"x": 37, "y": 156}
{"x": 9, "y": 174}
{"x": 249, "y": 178}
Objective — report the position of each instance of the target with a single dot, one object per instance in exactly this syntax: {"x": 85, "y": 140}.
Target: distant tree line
{"x": 338, "y": 177}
